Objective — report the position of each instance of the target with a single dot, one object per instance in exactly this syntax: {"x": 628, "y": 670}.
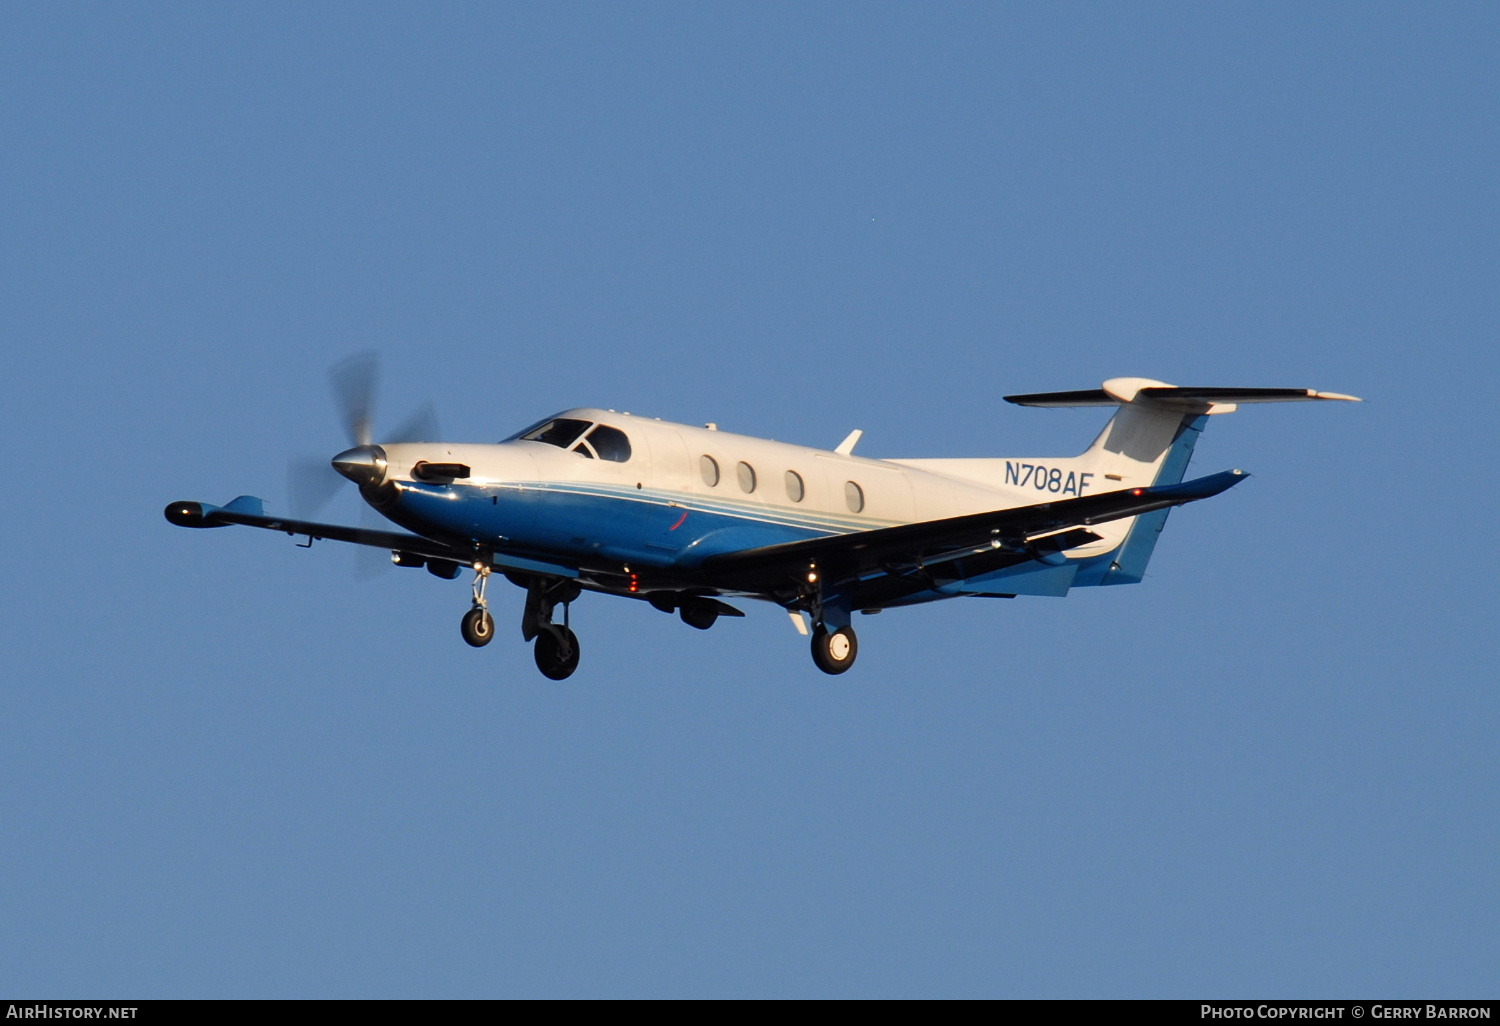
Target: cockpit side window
{"x": 595, "y": 441}
{"x": 561, "y": 432}
{"x": 610, "y": 443}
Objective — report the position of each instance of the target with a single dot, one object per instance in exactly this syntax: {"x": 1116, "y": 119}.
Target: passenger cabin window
{"x": 603, "y": 442}
{"x": 794, "y": 487}
{"x": 854, "y": 495}
{"x": 709, "y": 468}
{"x": 746, "y": 475}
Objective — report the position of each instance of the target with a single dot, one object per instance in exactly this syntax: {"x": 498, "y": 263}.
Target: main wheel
{"x": 556, "y": 652}
{"x": 478, "y": 627}
{"x": 834, "y": 653}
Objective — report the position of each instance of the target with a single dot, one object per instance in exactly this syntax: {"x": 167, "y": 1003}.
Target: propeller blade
{"x": 421, "y": 426}
{"x": 310, "y": 484}
{"x": 353, "y": 382}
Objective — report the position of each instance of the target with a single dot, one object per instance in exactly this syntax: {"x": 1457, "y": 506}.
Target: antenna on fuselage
{"x": 846, "y": 447}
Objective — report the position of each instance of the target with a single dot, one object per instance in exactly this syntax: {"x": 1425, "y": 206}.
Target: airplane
{"x": 685, "y": 517}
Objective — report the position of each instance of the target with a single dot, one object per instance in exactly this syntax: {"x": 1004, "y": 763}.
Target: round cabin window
{"x": 854, "y": 495}
{"x": 709, "y": 468}
{"x": 794, "y": 487}
{"x": 747, "y": 478}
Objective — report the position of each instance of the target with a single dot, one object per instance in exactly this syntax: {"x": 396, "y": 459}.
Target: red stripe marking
{"x": 680, "y": 521}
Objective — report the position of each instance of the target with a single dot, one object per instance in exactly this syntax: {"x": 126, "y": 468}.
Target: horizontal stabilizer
{"x": 1187, "y": 399}
{"x": 1059, "y": 400}
{"x": 1243, "y": 395}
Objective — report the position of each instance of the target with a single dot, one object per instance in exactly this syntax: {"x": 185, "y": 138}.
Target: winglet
{"x": 246, "y": 504}
{"x": 846, "y": 447}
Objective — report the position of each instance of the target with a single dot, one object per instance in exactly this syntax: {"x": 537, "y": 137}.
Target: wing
{"x": 249, "y": 512}
{"x": 984, "y": 541}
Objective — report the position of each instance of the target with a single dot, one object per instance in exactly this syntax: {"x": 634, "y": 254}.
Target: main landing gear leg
{"x": 834, "y": 646}
{"x": 556, "y": 648}
{"x": 478, "y": 626}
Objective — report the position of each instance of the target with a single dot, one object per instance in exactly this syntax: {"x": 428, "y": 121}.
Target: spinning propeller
{"x": 353, "y": 382}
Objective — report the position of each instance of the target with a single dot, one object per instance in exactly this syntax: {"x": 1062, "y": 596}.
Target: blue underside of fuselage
{"x": 593, "y": 522}
{"x": 586, "y": 524}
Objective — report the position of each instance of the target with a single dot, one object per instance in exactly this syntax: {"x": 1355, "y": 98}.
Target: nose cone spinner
{"x": 363, "y": 464}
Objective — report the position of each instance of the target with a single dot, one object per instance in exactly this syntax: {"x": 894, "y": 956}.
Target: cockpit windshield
{"x": 561, "y": 432}
{"x": 592, "y": 441}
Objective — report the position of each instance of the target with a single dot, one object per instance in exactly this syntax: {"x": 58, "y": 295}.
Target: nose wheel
{"x": 556, "y": 648}
{"x": 834, "y": 651}
{"x": 478, "y": 627}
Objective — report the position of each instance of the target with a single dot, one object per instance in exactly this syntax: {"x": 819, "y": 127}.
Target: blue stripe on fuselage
{"x": 629, "y": 525}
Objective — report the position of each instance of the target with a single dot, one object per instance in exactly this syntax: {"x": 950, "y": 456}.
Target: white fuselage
{"x": 756, "y": 477}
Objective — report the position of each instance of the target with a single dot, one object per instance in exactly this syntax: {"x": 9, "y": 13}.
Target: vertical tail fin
{"x": 1155, "y": 461}
{"x": 1143, "y": 446}
{"x": 1148, "y": 441}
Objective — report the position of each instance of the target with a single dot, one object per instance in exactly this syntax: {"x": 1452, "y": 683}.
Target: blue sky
{"x": 234, "y": 768}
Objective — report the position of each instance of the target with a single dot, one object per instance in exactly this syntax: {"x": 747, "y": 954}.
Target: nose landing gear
{"x": 556, "y": 646}
{"x": 478, "y": 626}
